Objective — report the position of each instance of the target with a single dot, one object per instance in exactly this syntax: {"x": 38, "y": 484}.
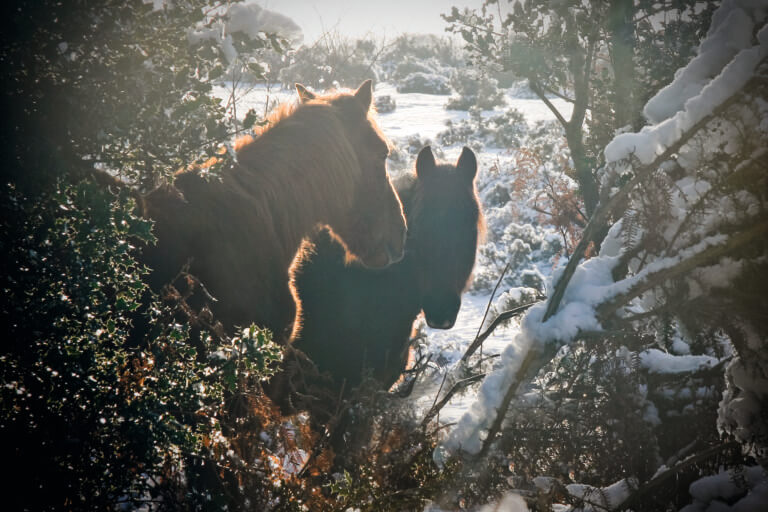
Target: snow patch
{"x": 656, "y": 361}
{"x": 746, "y": 491}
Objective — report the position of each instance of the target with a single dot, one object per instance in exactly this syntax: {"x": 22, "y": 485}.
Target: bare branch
{"x": 488, "y": 307}
{"x": 437, "y": 406}
{"x": 474, "y": 344}
{"x": 506, "y": 315}
{"x": 539, "y": 91}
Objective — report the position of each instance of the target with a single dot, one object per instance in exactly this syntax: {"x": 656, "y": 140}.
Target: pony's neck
{"x": 296, "y": 212}
{"x": 304, "y": 177}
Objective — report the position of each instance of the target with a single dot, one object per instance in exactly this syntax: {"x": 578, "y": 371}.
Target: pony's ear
{"x": 364, "y": 94}
{"x": 425, "y": 162}
{"x": 467, "y": 163}
{"x": 304, "y": 94}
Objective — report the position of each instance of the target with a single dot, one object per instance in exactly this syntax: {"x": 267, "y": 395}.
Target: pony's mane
{"x": 313, "y": 123}
{"x": 285, "y": 110}
{"x": 277, "y": 114}
{"x": 304, "y": 154}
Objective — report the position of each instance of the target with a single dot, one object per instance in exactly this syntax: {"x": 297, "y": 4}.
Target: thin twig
{"x": 434, "y": 402}
{"x": 506, "y": 315}
{"x": 488, "y": 307}
{"x": 436, "y": 407}
{"x": 475, "y": 343}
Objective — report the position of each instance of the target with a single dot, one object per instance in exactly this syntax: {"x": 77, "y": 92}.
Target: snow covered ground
{"x": 420, "y": 115}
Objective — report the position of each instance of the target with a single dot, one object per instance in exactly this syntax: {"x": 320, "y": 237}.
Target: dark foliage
{"x": 106, "y": 83}
{"x": 93, "y": 422}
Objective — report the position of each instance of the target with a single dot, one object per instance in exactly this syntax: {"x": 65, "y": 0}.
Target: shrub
{"x": 412, "y": 65}
{"x": 474, "y": 90}
{"x": 99, "y": 418}
{"x": 424, "y": 83}
{"x": 385, "y": 104}
{"x": 505, "y": 130}
{"x": 438, "y": 52}
{"x": 94, "y": 421}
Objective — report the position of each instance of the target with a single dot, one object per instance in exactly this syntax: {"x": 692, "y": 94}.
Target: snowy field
{"x": 423, "y": 116}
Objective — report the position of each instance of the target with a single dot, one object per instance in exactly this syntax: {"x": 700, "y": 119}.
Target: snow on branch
{"x": 726, "y": 38}
{"x": 653, "y": 140}
{"x": 617, "y": 201}
{"x": 706, "y": 252}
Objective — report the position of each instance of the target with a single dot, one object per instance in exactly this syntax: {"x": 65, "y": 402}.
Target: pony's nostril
{"x": 444, "y": 324}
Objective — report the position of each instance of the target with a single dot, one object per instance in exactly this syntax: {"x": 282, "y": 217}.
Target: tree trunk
{"x": 622, "y": 48}
{"x": 587, "y": 183}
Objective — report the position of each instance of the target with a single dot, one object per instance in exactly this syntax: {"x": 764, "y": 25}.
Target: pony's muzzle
{"x": 441, "y": 313}
{"x": 444, "y": 324}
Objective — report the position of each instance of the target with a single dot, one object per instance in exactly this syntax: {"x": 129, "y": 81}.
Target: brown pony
{"x": 356, "y": 318}
{"x": 319, "y": 163}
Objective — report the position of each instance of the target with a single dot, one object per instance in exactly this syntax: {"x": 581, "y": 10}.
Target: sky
{"x": 358, "y": 18}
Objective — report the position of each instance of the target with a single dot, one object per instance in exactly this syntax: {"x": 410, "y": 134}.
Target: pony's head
{"x": 373, "y": 230}
{"x": 444, "y": 223}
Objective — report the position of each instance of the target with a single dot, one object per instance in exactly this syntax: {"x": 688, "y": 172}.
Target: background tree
{"x": 592, "y": 54}
{"x": 121, "y": 86}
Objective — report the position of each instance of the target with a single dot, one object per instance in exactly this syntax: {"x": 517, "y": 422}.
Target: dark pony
{"x": 356, "y": 318}
{"x": 321, "y": 162}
